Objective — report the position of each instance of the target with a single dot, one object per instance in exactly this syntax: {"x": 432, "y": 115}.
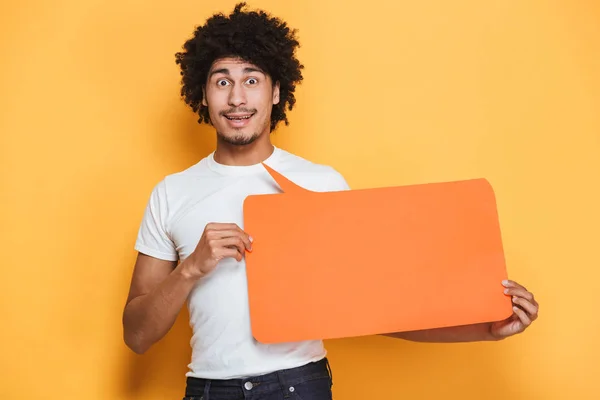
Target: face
{"x": 239, "y": 97}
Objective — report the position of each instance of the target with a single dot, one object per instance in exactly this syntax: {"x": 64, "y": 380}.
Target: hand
{"x": 525, "y": 311}
{"x": 218, "y": 241}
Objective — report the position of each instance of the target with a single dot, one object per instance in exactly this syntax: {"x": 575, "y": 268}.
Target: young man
{"x": 239, "y": 74}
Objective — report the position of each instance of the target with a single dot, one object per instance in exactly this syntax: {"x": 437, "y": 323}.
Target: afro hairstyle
{"x": 253, "y": 36}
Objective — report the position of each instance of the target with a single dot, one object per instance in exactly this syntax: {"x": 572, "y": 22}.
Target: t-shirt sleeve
{"x": 337, "y": 182}
{"x": 153, "y": 238}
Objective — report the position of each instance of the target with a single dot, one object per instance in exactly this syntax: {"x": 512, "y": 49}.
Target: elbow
{"x": 135, "y": 343}
{"x": 139, "y": 350}
{"x": 133, "y": 338}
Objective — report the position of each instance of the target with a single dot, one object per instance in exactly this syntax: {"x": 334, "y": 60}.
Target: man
{"x": 239, "y": 74}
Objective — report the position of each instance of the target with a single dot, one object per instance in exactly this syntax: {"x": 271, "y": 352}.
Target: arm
{"x": 466, "y": 333}
{"x": 525, "y": 311}
{"x": 159, "y": 288}
{"x": 157, "y": 293}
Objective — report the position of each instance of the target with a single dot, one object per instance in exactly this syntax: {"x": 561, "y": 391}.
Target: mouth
{"x": 238, "y": 120}
{"x": 237, "y": 117}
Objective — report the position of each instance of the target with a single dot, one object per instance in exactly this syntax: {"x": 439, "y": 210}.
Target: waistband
{"x": 283, "y": 378}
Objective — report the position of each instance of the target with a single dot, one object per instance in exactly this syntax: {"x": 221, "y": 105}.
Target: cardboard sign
{"x": 373, "y": 261}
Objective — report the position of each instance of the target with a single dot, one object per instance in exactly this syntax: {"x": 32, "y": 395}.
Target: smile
{"x": 238, "y": 117}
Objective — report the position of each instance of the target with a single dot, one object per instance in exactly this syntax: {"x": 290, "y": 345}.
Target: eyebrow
{"x": 225, "y": 71}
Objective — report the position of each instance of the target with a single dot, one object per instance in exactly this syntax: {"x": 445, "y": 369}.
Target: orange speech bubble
{"x": 351, "y": 263}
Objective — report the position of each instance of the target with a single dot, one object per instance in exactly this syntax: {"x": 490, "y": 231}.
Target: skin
{"x": 235, "y": 87}
{"x": 159, "y": 289}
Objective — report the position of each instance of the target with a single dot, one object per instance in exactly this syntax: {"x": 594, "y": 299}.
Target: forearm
{"x": 148, "y": 318}
{"x": 466, "y": 333}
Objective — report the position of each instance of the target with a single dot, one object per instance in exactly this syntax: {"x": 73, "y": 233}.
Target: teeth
{"x": 238, "y": 118}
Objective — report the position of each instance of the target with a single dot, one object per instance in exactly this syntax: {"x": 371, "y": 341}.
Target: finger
{"x": 235, "y": 242}
{"x": 519, "y": 293}
{"x": 530, "y": 308}
{"x": 222, "y": 233}
{"x": 222, "y": 226}
{"x": 245, "y": 237}
{"x": 218, "y": 230}
{"x": 522, "y": 316}
{"x": 512, "y": 284}
{"x": 215, "y": 235}
{"x": 228, "y": 252}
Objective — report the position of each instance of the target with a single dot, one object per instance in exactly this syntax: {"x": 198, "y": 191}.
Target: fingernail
{"x": 505, "y": 282}
{"x": 251, "y": 239}
{"x": 506, "y": 291}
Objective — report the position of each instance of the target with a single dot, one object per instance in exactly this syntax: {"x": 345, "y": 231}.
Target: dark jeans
{"x": 308, "y": 382}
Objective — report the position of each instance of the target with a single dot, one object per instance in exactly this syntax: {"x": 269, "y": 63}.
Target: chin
{"x": 238, "y": 138}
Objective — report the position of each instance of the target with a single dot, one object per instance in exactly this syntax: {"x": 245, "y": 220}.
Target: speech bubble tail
{"x": 284, "y": 183}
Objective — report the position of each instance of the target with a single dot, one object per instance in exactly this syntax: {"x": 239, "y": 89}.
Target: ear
{"x": 276, "y": 93}
{"x": 204, "y": 102}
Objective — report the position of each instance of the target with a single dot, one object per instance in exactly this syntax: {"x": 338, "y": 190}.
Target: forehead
{"x": 233, "y": 66}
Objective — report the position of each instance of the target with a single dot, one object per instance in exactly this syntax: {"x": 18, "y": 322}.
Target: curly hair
{"x": 252, "y": 36}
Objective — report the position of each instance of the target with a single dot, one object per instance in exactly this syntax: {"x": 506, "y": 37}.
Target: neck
{"x": 250, "y": 154}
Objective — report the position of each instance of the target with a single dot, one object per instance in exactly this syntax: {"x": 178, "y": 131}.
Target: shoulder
{"x": 182, "y": 179}
{"x": 309, "y": 174}
{"x": 170, "y": 187}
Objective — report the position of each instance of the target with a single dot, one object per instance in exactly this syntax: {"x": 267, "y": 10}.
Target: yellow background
{"x": 395, "y": 92}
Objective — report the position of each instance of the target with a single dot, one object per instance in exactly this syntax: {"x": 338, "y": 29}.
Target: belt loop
{"x": 206, "y": 389}
{"x": 329, "y": 370}
{"x": 284, "y": 388}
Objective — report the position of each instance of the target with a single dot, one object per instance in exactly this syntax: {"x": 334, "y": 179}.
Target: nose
{"x": 237, "y": 96}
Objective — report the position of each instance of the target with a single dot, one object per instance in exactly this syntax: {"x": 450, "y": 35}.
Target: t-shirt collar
{"x": 242, "y": 169}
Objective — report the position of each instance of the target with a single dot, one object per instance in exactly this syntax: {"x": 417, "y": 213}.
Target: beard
{"x": 238, "y": 140}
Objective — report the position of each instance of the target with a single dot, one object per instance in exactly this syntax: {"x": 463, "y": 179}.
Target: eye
{"x": 252, "y": 81}
{"x": 222, "y": 82}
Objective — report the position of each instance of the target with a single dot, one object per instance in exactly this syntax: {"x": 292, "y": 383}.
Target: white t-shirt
{"x": 179, "y": 208}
